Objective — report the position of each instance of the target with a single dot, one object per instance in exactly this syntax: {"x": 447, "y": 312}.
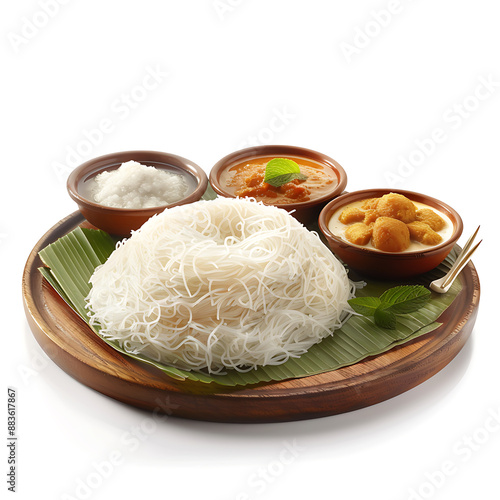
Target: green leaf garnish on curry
{"x": 279, "y": 171}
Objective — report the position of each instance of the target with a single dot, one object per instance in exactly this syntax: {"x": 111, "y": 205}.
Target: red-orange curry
{"x": 246, "y": 179}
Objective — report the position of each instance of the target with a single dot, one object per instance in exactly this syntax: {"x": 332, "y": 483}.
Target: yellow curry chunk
{"x": 397, "y": 206}
{"x": 370, "y": 216}
{"x": 358, "y": 233}
{"x": 370, "y": 204}
{"x": 431, "y": 218}
{"x": 420, "y": 231}
{"x": 390, "y": 235}
{"x": 350, "y": 215}
{"x": 391, "y": 223}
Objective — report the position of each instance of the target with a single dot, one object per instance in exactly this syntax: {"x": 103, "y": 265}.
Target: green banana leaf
{"x": 70, "y": 261}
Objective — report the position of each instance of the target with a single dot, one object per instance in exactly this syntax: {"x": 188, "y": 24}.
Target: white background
{"x": 294, "y": 72}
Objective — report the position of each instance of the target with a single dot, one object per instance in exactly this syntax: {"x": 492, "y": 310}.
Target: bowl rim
{"x": 100, "y": 163}
{"x": 329, "y": 208}
{"x": 274, "y": 150}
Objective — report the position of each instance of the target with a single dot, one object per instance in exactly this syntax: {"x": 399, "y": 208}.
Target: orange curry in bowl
{"x": 246, "y": 179}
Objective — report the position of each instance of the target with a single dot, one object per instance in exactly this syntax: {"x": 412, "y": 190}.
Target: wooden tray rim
{"x": 274, "y": 390}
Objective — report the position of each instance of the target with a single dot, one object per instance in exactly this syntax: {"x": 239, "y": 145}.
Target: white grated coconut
{"x": 134, "y": 185}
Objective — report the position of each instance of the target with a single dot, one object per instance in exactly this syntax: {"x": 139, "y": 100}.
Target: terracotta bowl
{"x": 306, "y": 211}
{"x": 121, "y": 221}
{"x": 389, "y": 265}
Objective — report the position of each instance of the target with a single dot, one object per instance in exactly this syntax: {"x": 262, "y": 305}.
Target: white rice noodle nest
{"x": 227, "y": 283}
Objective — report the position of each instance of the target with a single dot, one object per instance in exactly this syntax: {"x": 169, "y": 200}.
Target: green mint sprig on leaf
{"x": 394, "y": 301}
{"x": 279, "y": 171}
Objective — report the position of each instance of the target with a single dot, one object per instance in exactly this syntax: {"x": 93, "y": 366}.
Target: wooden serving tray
{"x": 72, "y": 345}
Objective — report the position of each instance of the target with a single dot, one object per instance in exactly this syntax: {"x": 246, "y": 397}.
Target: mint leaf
{"x": 405, "y": 299}
{"x": 279, "y": 171}
{"x": 283, "y": 179}
{"x": 398, "y": 300}
{"x": 280, "y": 166}
{"x": 365, "y": 305}
{"x": 385, "y": 318}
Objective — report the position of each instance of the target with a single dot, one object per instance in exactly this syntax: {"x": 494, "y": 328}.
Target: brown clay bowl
{"x": 306, "y": 211}
{"x": 389, "y": 265}
{"x": 121, "y": 221}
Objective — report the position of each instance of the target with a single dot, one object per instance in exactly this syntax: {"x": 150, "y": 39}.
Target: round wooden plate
{"x": 80, "y": 353}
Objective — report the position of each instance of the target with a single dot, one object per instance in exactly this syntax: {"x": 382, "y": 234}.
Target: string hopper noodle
{"x": 214, "y": 285}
